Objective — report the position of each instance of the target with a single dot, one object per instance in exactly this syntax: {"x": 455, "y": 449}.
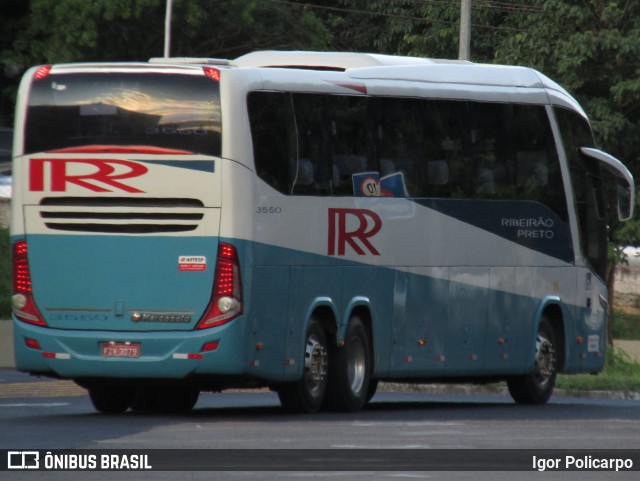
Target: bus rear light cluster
{"x": 24, "y": 307}
{"x": 226, "y": 299}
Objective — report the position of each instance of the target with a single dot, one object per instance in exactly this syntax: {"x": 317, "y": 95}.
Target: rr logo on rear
{"x": 96, "y": 175}
{"x": 355, "y": 228}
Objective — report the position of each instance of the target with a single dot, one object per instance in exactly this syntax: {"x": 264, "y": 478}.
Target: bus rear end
{"x": 119, "y": 272}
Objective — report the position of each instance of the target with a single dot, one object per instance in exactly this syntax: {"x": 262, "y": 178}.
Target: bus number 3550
{"x": 268, "y": 210}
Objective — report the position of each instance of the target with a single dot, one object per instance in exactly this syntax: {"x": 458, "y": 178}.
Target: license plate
{"x": 120, "y": 349}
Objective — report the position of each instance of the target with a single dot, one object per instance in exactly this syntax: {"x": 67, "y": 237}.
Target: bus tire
{"x": 536, "y": 388}
{"x": 110, "y": 400}
{"x": 144, "y": 401}
{"x": 349, "y": 384}
{"x": 373, "y": 388}
{"x": 307, "y": 394}
{"x": 176, "y": 400}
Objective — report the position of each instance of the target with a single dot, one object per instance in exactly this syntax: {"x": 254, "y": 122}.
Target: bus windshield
{"x": 166, "y": 111}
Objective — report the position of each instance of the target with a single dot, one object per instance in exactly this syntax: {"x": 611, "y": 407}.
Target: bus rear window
{"x": 169, "y": 111}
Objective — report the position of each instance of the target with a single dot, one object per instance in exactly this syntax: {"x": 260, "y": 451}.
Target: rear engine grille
{"x": 121, "y": 215}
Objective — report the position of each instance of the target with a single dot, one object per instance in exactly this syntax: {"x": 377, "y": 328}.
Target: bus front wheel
{"x": 307, "y": 394}
{"x": 536, "y": 388}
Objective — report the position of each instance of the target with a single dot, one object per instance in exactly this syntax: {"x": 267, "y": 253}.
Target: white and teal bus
{"x": 309, "y": 222}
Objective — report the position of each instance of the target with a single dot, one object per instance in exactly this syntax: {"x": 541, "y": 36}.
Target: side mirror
{"x": 625, "y": 185}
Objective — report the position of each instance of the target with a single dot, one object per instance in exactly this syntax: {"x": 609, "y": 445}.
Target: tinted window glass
{"x": 335, "y": 145}
{"x": 169, "y": 111}
{"x": 587, "y": 188}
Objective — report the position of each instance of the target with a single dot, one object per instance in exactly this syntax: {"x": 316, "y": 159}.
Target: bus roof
{"x": 371, "y": 67}
{"x": 329, "y": 60}
{"x": 358, "y": 66}
{"x": 361, "y": 67}
{"x": 389, "y": 67}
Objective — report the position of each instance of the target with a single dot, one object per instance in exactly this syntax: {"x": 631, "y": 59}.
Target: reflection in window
{"x": 314, "y": 144}
{"x": 171, "y": 111}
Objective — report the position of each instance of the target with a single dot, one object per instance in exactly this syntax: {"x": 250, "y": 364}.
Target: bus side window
{"x": 270, "y": 120}
{"x": 587, "y": 185}
{"x": 313, "y": 144}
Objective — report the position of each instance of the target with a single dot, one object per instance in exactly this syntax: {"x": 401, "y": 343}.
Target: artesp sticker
{"x": 192, "y": 263}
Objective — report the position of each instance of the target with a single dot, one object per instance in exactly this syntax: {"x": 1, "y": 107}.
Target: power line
{"x": 413, "y": 18}
{"x": 356, "y": 11}
{"x": 501, "y": 6}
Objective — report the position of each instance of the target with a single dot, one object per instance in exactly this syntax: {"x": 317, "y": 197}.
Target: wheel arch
{"x": 551, "y": 309}
{"x": 324, "y": 310}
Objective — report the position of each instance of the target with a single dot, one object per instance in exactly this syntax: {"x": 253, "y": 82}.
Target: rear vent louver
{"x": 121, "y": 215}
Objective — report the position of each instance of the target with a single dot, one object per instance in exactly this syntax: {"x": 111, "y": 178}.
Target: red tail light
{"x": 42, "y": 72}
{"x": 212, "y": 73}
{"x": 24, "y": 308}
{"x": 226, "y": 299}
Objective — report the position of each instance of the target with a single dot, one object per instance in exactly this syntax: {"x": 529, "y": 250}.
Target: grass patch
{"x": 621, "y": 373}
{"x": 625, "y": 325}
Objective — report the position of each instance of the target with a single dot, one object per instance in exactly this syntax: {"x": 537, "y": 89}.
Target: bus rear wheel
{"x": 350, "y": 385}
{"x": 110, "y": 400}
{"x": 176, "y": 400}
{"x": 307, "y": 394}
{"x": 536, "y": 388}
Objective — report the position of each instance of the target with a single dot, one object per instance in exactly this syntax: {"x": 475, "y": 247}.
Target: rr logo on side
{"x": 96, "y": 175}
{"x": 353, "y": 227}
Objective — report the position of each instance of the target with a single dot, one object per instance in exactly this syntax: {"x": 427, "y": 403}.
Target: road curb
{"x": 499, "y": 389}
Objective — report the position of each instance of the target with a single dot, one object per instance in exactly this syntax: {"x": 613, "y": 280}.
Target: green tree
{"x": 102, "y": 30}
{"x": 13, "y": 14}
{"x": 76, "y": 30}
{"x": 422, "y": 28}
{"x": 591, "y": 47}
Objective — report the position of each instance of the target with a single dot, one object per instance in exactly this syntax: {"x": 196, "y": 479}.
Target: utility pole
{"x": 167, "y": 29}
{"x": 465, "y": 30}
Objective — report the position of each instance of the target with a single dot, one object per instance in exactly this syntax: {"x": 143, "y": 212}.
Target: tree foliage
{"x": 592, "y": 48}
{"x": 420, "y": 28}
{"x": 103, "y": 30}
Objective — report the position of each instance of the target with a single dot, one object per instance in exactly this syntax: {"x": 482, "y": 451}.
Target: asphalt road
{"x": 53, "y": 415}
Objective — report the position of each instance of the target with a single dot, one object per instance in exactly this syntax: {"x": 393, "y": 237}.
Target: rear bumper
{"x": 163, "y": 355}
